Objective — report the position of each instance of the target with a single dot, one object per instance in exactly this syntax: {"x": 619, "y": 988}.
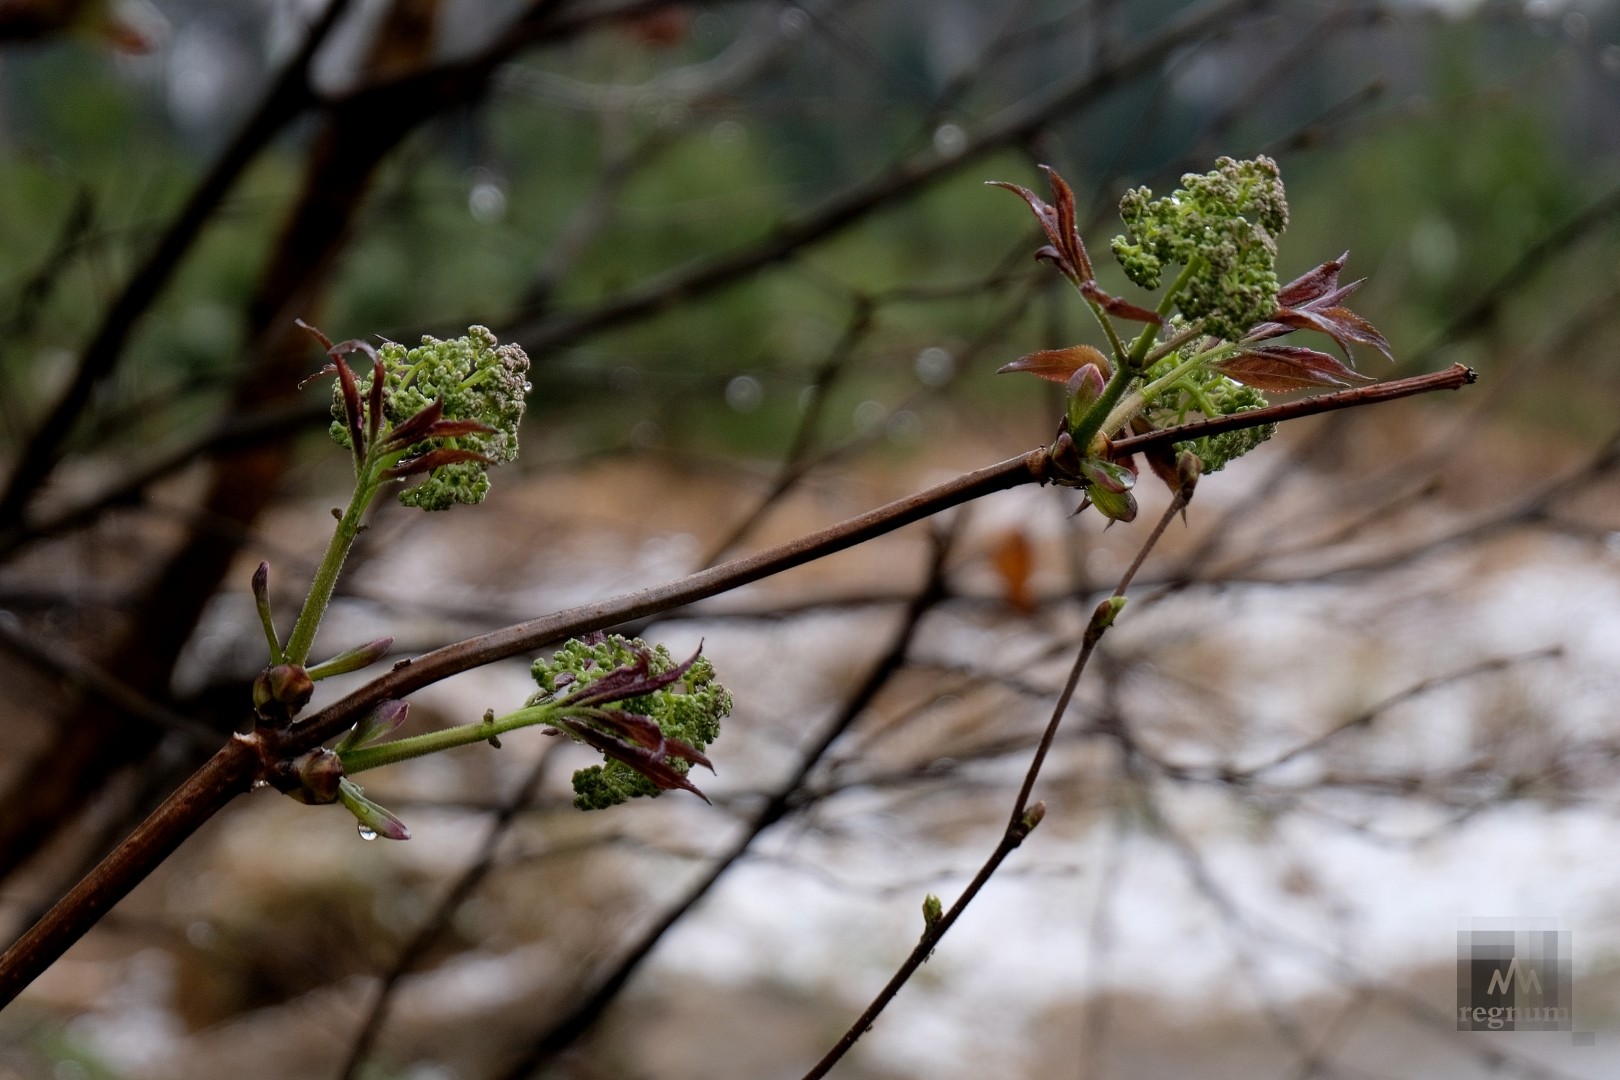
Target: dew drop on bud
{"x": 366, "y": 833}
{"x": 259, "y": 785}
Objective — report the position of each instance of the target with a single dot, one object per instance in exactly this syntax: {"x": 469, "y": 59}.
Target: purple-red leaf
{"x": 687, "y": 752}
{"x": 1315, "y": 301}
{"x": 646, "y": 762}
{"x": 1354, "y": 328}
{"x": 409, "y": 432}
{"x": 632, "y": 680}
{"x": 432, "y": 460}
{"x": 1313, "y": 284}
{"x": 1058, "y": 365}
{"x": 1067, "y": 251}
{"x": 1123, "y": 309}
{"x": 455, "y": 429}
{"x": 351, "y": 408}
{"x": 629, "y": 726}
{"x": 1282, "y": 368}
{"x": 375, "y": 405}
{"x": 326, "y": 342}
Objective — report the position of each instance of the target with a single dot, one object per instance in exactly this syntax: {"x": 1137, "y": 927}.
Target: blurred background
{"x": 1366, "y": 694}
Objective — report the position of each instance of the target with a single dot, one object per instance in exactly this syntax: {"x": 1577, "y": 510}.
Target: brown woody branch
{"x": 233, "y": 768}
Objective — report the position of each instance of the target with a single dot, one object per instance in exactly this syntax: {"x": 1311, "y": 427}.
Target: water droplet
{"x": 366, "y": 832}
{"x": 744, "y": 393}
{"x": 257, "y": 784}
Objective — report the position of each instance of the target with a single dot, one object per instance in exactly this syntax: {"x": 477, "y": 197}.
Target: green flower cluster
{"x": 476, "y": 378}
{"x": 689, "y": 710}
{"x": 1210, "y": 394}
{"x": 1223, "y": 227}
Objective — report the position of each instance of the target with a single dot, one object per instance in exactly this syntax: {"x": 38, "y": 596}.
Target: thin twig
{"x": 1023, "y": 818}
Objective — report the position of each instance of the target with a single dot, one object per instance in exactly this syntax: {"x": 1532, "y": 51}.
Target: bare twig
{"x": 1023, "y": 818}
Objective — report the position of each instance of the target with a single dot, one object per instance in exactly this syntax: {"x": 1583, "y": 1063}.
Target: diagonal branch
{"x": 1012, "y": 126}
{"x": 233, "y": 768}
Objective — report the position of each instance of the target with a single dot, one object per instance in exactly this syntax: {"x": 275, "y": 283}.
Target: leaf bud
{"x": 318, "y": 774}
{"x": 1116, "y": 506}
{"x": 281, "y": 691}
{"x": 359, "y": 657}
{"x": 933, "y": 911}
{"x": 1085, "y": 389}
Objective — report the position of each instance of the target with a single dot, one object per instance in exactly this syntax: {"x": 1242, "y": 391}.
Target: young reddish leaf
{"x": 432, "y": 460}
{"x": 454, "y": 429}
{"x": 628, "y": 726}
{"x": 687, "y": 752}
{"x": 353, "y": 345}
{"x": 1286, "y": 367}
{"x": 632, "y": 680}
{"x": 409, "y": 432}
{"x": 326, "y": 342}
{"x": 1069, "y": 243}
{"x": 374, "y": 407}
{"x": 1313, "y": 284}
{"x": 1355, "y": 328}
{"x": 351, "y": 409}
{"x": 1162, "y": 460}
{"x": 1058, "y": 365}
{"x": 1067, "y": 251}
{"x": 648, "y": 764}
{"x": 1124, "y": 309}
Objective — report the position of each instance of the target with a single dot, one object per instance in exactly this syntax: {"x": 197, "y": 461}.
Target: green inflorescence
{"x": 1222, "y": 225}
{"x": 689, "y": 710}
{"x": 1210, "y": 394}
{"x": 478, "y": 379}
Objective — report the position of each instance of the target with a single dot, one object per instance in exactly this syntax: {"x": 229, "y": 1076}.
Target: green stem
{"x": 1107, "y": 325}
{"x": 320, "y": 590}
{"x": 371, "y": 757}
{"x": 1144, "y": 341}
{"x": 1139, "y": 399}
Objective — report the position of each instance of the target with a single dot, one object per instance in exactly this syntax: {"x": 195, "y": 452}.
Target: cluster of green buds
{"x": 1202, "y": 351}
{"x": 1222, "y": 229}
{"x": 667, "y": 714}
{"x": 650, "y": 717}
{"x": 447, "y": 409}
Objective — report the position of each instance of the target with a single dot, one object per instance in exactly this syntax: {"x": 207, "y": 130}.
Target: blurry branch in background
{"x": 87, "y": 678}
{"x": 438, "y": 920}
{"x": 285, "y": 99}
{"x": 1008, "y": 128}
